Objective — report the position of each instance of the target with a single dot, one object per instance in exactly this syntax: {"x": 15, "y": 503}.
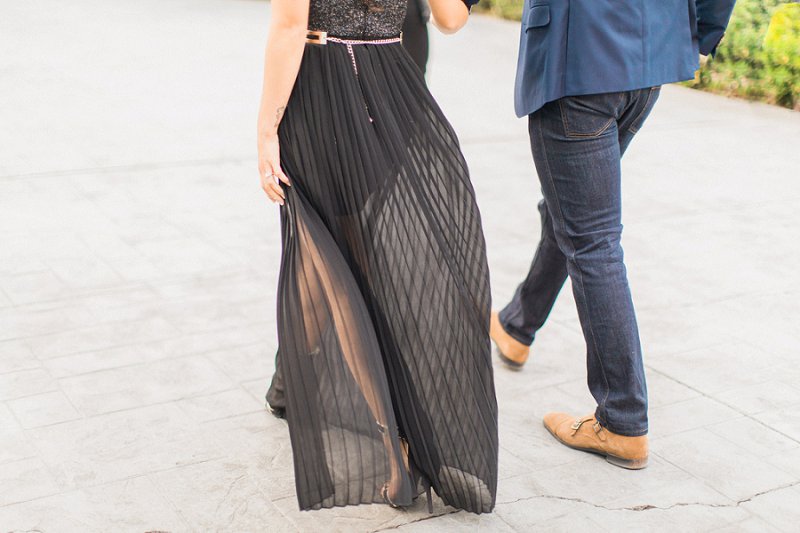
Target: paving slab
{"x": 138, "y": 273}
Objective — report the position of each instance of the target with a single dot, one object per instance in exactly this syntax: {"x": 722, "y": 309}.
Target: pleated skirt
{"x": 383, "y": 298}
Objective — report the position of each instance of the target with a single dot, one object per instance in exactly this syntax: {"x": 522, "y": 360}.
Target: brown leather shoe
{"x": 511, "y": 351}
{"x": 586, "y": 434}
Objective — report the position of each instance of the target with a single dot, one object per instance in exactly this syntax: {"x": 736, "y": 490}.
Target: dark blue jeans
{"x": 577, "y": 144}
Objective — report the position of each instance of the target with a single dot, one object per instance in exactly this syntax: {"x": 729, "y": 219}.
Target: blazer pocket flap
{"x": 538, "y": 16}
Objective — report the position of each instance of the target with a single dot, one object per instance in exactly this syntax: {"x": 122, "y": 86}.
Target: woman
{"x": 415, "y": 41}
{"x": 383, "y": 297}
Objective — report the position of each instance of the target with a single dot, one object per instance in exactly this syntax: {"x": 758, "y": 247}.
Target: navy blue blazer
{"x": 574, "y": 47}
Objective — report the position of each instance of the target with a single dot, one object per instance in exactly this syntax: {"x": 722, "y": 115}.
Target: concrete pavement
{"x": 138, "y": 265}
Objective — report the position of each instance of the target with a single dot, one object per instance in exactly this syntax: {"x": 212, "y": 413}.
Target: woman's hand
{"x": 269, "y": 167}
{"x": 284, "y": 51}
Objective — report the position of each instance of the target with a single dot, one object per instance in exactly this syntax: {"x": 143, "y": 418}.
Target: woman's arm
{"x": 449, "y": 16}
{"x": 285, "y": 44}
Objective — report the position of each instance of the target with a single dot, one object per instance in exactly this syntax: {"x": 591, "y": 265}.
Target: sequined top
{"x": 358, "y": 19}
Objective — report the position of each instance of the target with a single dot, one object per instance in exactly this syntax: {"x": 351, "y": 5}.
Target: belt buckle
{"x": 317, "y": 37}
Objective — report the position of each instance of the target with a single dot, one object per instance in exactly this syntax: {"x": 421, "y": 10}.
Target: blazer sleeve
{"x": 712, "y": 19}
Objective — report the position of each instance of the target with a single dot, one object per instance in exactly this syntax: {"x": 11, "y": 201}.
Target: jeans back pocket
{"x": 589, "y": 115}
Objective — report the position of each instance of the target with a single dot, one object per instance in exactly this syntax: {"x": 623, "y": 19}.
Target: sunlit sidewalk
{"x": 138, "y": 265}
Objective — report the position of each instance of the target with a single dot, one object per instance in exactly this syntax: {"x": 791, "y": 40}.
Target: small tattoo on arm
{"x": 279, "y": 114}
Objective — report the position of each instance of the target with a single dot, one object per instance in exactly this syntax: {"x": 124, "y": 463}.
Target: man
{"x": 415, "y": 41}
{"x": 588, "y": 75}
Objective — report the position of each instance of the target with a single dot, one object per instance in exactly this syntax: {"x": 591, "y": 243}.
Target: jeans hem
{"x": 630, "y": 431}
{"x": 523, "y": 339}
{"x": 635, "y": 432}
{"x": 639, "y": 433}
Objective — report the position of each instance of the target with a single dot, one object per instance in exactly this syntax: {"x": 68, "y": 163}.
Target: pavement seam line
{"x": 726, "y": 404}
{"x": 649, "y": 507}
{"x": 429, "y": 517}
{"x": 133, "y": 167}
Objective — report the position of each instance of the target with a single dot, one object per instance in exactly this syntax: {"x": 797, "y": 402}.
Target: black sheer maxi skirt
{"x": 383, "y": 298}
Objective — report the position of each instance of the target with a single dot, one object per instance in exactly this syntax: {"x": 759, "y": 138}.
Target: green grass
{"x": 757, "y": 60}
{"x": 507, "y": 9}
